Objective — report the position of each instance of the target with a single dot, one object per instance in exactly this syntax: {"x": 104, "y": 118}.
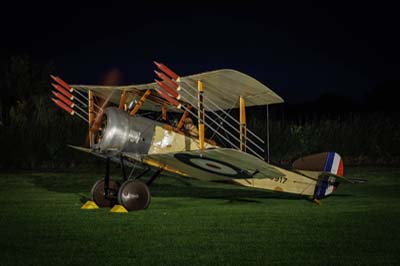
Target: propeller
{"x": 111, "y": 78}
{"x": 97, "y": 120}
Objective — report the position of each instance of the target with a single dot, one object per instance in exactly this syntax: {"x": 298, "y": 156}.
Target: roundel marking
{"x": 212, "y": 165}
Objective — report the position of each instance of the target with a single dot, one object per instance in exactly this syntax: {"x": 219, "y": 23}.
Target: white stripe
{"x": 329, "y": 190}
{"x": 335, "y": 164}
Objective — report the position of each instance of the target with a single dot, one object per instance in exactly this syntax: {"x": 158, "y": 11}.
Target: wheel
{"x": 134, "y": 195}
{"x": 98, "y": 195}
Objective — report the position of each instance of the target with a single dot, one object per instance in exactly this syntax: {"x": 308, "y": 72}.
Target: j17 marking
{"x": 281, "y": 179}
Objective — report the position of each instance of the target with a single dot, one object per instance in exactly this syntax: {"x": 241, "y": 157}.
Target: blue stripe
{"x": 322, "y": 187}
{"x": 329, "y": 162}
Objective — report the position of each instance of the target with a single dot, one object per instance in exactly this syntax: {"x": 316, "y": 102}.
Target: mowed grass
{"x": 196, "y": 223}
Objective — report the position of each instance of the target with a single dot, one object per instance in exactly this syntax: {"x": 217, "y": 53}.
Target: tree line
{"x": 34, "y": 133}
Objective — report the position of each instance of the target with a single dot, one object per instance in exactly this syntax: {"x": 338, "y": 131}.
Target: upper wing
{"x": 222, "y": 87}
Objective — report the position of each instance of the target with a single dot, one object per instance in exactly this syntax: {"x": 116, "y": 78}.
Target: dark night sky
{"x": 300, "y": 51}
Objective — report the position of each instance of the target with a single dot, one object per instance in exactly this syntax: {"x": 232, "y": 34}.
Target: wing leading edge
{"x": 223, "y": 87}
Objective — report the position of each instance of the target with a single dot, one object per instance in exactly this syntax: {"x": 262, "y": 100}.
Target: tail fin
{"x": 334, "y": 164}
{"x": 327, "y": 167}
{"x": 330, "y": 162}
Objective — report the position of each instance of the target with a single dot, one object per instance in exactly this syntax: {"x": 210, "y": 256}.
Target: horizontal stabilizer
{"x": 337, "y": 177}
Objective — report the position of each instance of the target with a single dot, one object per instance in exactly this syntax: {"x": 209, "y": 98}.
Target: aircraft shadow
{"x": 228, "y": 192}
{"x": 165, "y": 186}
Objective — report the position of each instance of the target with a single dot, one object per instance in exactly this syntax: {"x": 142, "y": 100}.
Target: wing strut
{"x": 91, "y": 116}
{"x": 242, "y": 124}
{"x": 200, "y": 113}
{"x": 227, "y": 123}
{"x": 182, "y": 120}
{"x": 175, "y": 101}
{"x": 164, "y": 112}
{"x": 139, "y": 104}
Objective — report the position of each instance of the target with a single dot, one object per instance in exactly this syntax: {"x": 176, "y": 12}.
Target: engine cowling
{"x": 120, "y": 132}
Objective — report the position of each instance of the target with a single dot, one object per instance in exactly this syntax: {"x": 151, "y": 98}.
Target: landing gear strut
{"x": 104, "y": 191}
{"x": 133, "y": 194}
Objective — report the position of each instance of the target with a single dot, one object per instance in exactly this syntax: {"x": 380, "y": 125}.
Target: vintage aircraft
{"x": 120, "y": 134}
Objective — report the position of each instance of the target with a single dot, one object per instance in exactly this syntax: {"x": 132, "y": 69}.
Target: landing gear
{"x": 134, "y": 195}
{"x": 104, "y": 191}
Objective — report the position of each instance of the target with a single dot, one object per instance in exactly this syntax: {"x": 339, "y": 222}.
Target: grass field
{"x": 195, "y": 223}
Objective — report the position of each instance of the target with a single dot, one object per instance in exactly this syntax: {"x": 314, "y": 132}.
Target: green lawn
{"x": 195, "y": 223}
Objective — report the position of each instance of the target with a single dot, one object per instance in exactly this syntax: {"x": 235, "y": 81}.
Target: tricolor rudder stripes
{"x": 328, "y": 184}
{"x": 334, "y": 164}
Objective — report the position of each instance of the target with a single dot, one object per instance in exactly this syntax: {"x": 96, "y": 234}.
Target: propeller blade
{"x": 122, "y": 100}
{"x": 97, "y": 121}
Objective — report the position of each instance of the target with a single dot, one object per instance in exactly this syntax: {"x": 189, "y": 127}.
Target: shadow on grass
{"x": 164, "y": 186}
{"x": 218, "y": 191}
{"x": 338, "y": 195}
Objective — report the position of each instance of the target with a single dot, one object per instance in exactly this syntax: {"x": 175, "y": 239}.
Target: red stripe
{"x": 340, "y": 171}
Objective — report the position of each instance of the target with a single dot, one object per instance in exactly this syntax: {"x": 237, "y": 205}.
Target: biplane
{"x": 120, "y": 131}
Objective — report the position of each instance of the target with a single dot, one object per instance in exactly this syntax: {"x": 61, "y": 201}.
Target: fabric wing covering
{"x": 223, "y": 87}
{"x": 231, "y": 159}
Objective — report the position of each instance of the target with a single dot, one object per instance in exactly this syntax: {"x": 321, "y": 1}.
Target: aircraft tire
{"x": 134, "y": 195}
{"x": 98, "y": 195}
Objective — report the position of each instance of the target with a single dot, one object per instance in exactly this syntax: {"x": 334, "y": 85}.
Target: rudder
{"x": 321, "y": 165}
{"x": 334, "y": 164}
